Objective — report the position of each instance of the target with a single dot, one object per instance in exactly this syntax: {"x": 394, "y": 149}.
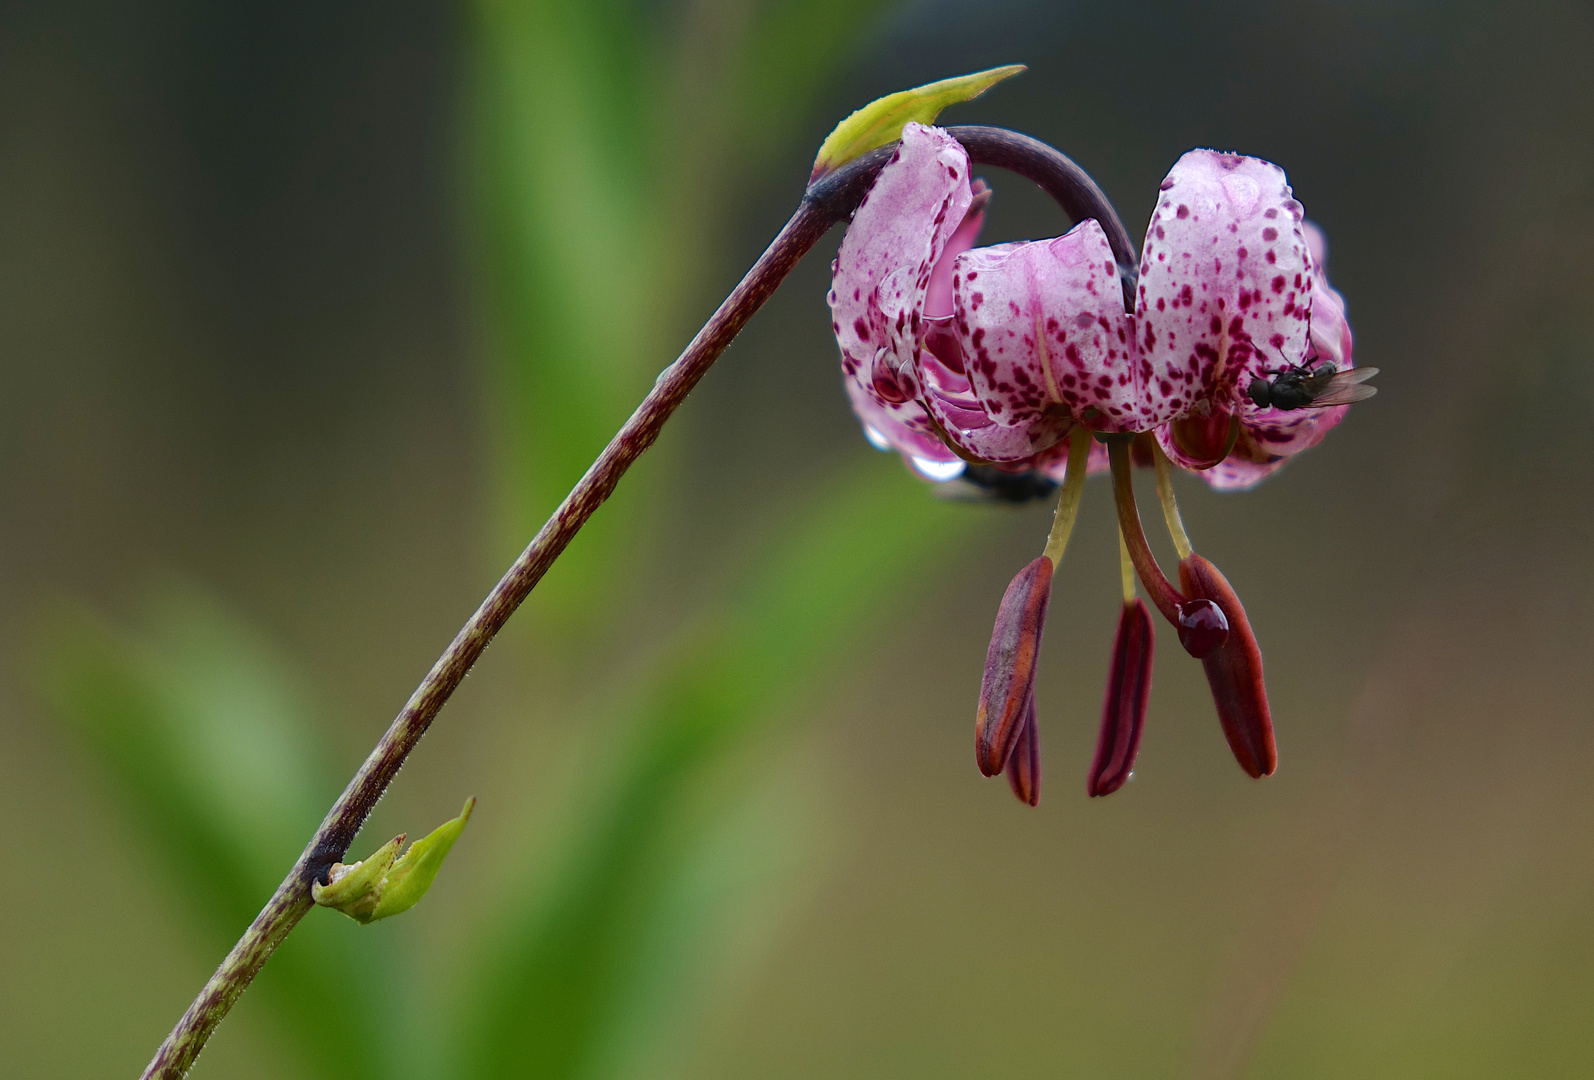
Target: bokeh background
{"x": 310, "y": 313}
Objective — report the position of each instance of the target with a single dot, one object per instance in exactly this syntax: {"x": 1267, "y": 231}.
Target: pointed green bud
{"x": 382, "y": 885}
{"x": 354, "y": 887}
{"x": 881, "y": 121}
{"x": 412, "y": 875}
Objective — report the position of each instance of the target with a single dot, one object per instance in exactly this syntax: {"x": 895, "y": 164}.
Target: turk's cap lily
{"x": 998, "y": 352}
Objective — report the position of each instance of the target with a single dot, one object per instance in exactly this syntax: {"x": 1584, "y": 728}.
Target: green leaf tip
{"x": 385, "y": 884}
{"x": 881, "y": 121}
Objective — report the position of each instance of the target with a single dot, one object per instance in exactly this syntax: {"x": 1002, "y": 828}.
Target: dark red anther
{"x": 1205, "y": 440}
{"x": 1234, "y": 671}
{"x": 1123, "y": 712}
{"x": 1008, "y": 687}
{"x": 1202, "y": 627}
{"x": 1024, "y": 764}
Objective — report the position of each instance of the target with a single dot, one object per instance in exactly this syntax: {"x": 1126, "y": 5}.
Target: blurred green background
{"x": 309, "y": 314}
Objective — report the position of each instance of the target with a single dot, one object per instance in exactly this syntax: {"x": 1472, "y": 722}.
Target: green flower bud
{"x": 881, "y": 121}
{"x": 386, "y": 884}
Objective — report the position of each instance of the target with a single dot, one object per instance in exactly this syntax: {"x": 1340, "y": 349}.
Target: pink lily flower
{"x": 1020, "y": 361}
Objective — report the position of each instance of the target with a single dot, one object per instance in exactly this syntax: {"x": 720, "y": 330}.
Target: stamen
{"x": 1126, "y": 569}
{"x": 1068, "y": 499}
{"x": 1024, "y": 764}
{"x": 1202, "y": 624}
{"x": 1007, "y": 690}
{"x": 1234, "y": 672}
{"x": 1170, "y": 506}
{"x": 1123, "y": 710}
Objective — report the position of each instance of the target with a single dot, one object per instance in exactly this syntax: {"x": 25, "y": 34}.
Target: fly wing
{"x": 1346, "y": 388}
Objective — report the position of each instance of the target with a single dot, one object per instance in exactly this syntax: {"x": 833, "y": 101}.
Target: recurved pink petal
{"x": 962, "y": 422}
{"x": 938, "y": 297}
{"x": 1042, "y": 328}
{"x": 1024, "y": 764}
{"x": 1270, "y": 437}
{"x": 1007, "y": 689}
{"x": 905, "y": 222}
{"x": 1225, "y": 285}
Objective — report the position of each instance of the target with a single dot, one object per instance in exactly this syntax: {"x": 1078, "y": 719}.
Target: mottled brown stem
{"x": 829, "y": 200}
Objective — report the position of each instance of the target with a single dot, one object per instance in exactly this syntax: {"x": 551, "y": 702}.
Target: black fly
{"x": 1305, "y": 386}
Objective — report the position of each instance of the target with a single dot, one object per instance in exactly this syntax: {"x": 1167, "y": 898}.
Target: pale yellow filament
{"x": 1068, "y": 500}
{"x": 1126, "y": 569}
{"x": 1170, "y": 507}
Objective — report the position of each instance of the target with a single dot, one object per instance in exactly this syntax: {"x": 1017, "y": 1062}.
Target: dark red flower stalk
{"x": 1123, "y": 712}
{"x": 1024, "y": 764}
{"x": 1234, "y": 671}
{"x": 1007, "y": 691}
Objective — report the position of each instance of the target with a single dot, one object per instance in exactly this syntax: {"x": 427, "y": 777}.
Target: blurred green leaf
{"x": 551, "y": 997}
{"x": 200, "y": 727}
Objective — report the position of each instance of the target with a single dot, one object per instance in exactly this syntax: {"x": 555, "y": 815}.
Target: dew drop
{"x": 1202, "y": 627}
{"x": 876, "y": 440}
{"x": 941, "y": 471}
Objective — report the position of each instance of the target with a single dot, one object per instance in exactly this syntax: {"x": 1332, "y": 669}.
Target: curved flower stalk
{"x": 990, "y": 365}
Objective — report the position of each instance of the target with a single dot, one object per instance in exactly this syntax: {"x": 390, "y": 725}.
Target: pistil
{"x": 1164, "y": 597}
{"x": 1201, "y": 624}
{"x": 1123, "y": 710}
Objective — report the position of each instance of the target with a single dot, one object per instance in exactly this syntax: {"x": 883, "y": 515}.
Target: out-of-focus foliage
{"x": 602, "y": 135}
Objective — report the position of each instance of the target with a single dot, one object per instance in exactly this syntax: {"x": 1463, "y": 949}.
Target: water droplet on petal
{"x": 940, "y": 471}
{"x": 876, "y": 440}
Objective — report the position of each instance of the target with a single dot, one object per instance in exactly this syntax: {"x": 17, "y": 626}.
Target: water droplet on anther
{"x": 1202, "y": 627}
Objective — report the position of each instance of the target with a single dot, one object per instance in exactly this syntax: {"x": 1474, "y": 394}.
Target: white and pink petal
{"x": 1225, "y": 286}
{"x": 1042, "y": 330}
{"x": 899, "y": 232}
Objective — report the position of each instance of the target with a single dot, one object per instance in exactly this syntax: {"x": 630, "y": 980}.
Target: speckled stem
{"x": 829, "y": 200}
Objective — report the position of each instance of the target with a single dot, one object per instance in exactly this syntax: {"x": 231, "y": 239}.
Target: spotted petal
{"x": 1269, "y": 437}
{"x": 1042, "y": 329}
{"x": 1225, "y": 284}
{"x": 901, "y": 228}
